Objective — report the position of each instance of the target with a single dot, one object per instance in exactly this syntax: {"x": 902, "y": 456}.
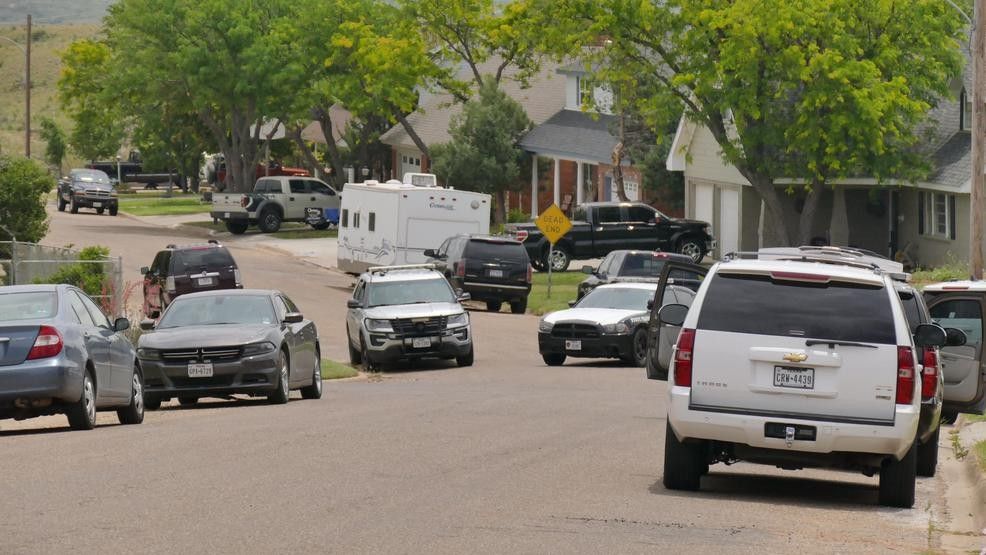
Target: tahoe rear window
{"x": 836, "y": 310}
{"x": 201, "y": 259}
{"x": 487, "y": 250}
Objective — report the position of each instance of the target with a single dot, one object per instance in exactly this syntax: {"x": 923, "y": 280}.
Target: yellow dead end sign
{"x": 554, "y": 225}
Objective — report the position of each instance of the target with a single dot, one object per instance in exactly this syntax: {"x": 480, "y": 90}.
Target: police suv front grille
{"x": 210, "y": 354}
{"x": 419, "y": 326}
{"x": 577, "y": 331}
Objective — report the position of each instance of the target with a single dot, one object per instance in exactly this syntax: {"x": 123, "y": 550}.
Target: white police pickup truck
{"x": 277, "y": 199}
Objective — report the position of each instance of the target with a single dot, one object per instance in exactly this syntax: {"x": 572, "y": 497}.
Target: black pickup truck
{"x": 601, "y": 227}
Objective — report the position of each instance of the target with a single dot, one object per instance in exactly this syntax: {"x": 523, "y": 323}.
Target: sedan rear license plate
{"x": 97, "y": 205}
{"x": 795, "y": 378}
{"x": 496, "y": 273}
{"x": 573, "y": 345}
{"x": 206, "y": 281}
{"x": 421, "y": 342}
{"x": 200, "y": 370}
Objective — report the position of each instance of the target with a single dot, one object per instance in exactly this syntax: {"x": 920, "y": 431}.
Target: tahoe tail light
{"x": 237, "y": 277}
{"x": 683, "y": 353}
{"x": 905, "y": 375}
{"x": 929, "y": 376}
{"x": 460, "y": 268}
{"x": 48, "y": 344}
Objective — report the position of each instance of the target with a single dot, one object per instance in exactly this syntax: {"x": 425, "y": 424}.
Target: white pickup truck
{"x": 278, "y": 199}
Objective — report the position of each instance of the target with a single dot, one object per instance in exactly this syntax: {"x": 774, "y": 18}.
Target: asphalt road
{"x": 506, "y": 456}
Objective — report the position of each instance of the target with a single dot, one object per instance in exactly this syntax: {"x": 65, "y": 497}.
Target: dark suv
{"x": 177, "y": 270}
{"x": 638, "y": 265}
{"x": 490, "y": 269}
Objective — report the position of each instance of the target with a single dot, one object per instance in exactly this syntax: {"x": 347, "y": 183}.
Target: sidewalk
{"x": 965, "y": 489}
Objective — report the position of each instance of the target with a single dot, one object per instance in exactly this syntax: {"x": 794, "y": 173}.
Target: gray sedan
{"x": 220, "y": 343}
{"x": 59, "y": 353}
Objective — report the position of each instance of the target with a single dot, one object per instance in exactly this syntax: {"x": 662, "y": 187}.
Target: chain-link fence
{"x": 28, "y": 263}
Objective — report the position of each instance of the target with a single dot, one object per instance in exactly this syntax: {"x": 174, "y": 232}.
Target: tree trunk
{"x": 618, "y": 152}
{"x": 409, "y": 129}
{"x": 807, "y": 220}
{"x": 500, "y": 214}
{"x": 313, "y": 166}
{"x": 324, "y": 117}
{"x": 775, "y": 231}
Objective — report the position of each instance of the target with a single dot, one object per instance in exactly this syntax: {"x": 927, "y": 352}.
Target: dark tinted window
{"x": 608, "y": 214}
{"x": 964, "y": 314}
{"x": 490, "y": 250}
{"x": 641, "y": 265}
{"x": 321, "y": 188}
{"x": 267, "y": 186}
{"x": 201, "y": 259}
{"x": 912, "y": 308}
{"x": 621, "y": 298}
{"x": 640, "y": 214}
{"x": 836, "y": 310}
{"x": 298, "y": 186}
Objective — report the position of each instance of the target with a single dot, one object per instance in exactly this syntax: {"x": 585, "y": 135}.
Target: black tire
{"x": 928, "y": 455}
{"x": 269, "y": 221}
{"x": 82, "y": 413}
{"x": 465, "y": 360}
{"x": 537, "y": 265}
{"x": 114, "y": 210}
{"x": 562, "y": 259}
{"x": 75, "y": 207}
{"x": 322, "y": 226}
{"x": 692, "y": 248}
{"x": 519, "y": 307}
{"x": 554, "y": 359}
{"x": 187, "y": 400}
{"x": 369, "y": 364}
{"x": 638, "y": 348}
{"x": 494, "y": 306}
{"x": 897, "y": 480}
{"x": 355, "y": 356}
{"x": 100, "y": 211}
{"x": 949, "y": 416}
{"x": 134, "y": 412}
{"x": 61, "y": 203}
{"x": 152, "y": 402}
{"x": 314, "y": 391}
{"x": 282, "y": 392}
{"x": 684, "y": 463}
{"x": 237, "y": 228}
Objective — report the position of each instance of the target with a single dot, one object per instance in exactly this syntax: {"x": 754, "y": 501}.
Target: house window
{"x": 585, "y": 97}
{"x": 937, "y": 215}
{"x": 372, "y": 224}
{"x": 965, "y": 107}
{"x": 345, "y": 218}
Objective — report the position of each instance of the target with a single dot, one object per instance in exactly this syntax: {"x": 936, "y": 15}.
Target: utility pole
{"x": 27, "y": 91}
{"x": 977, "y": 205}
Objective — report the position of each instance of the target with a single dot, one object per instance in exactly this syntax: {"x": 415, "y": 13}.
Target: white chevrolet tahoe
{"x": 797, "y": 363}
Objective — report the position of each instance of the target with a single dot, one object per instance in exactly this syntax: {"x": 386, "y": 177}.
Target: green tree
{"x": 82, "y": 90}
{"x": 818, "y": 90}
{"x": 483, "y": 154}
{"x": 24, "y": 186}
{"x": 55, "y": 145}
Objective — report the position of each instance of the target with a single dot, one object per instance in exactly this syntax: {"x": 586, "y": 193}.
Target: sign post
{"x": 554, "y": 225}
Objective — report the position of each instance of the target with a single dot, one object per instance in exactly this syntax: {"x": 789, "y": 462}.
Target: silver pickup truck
{"x": 278, "y": 199}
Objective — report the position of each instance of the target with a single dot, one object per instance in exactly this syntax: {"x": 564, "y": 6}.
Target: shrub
{"x": 91, "y": 278}
{"x": 516, "y": 216}
{"x": 24, "y": 186}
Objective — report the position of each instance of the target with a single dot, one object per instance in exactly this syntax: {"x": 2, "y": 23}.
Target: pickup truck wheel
{"x": 75, "y": 207}
{"x": 236, "y": 228}
{"x": 61, "y": 203}
{"x": 554, "y": 359}
{"x": 269, "y": 221}
{"x": 114, "y": 210}
{"x": 558, "y": 258}
{"x": 322, "y": 226}
{"x": 683, "y": 462}
{"x": 493, "y": 306}
{"x": 897, "y": 480}
{"x": 519, "y": 307}
{"x": 100, "y": 211}
{"x": 928, "y": 455}
{"x": 692, "y": 248}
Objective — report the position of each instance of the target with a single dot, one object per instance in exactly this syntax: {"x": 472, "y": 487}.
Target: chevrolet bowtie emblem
{"x": 795, "y": 357}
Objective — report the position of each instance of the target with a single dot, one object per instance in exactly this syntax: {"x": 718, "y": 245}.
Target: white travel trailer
{"x": 392, "y": 223}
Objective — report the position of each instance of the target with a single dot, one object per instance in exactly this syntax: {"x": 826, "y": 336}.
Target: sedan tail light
{"x": 929, "y": 376}
{"x": 48, "y": 344}
{"x": 905, "y": 375}
{"x": 683, "y": 354}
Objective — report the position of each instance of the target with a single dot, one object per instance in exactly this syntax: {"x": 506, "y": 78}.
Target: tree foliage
{"x": 83, "y": 92}
{"x": 24, "y": 187}
{"x": 483, "y": 154}
{"x": 55, "y": 143}
{"x": 813, "y": 89}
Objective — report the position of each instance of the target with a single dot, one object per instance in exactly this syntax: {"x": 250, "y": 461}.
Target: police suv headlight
{"x": 618, "y": 328}
{"x": 545, "y": 327}
{"x": 458, "y": 320}
{"x": 377, "y": 325}
{"x": 261, "y": 348}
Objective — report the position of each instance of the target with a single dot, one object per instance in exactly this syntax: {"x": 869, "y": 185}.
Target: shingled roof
{"x": 952, "y": 162}
{"x": 573, "y": 134}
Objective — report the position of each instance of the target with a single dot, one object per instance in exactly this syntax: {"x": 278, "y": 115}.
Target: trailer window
{"x": 356, "y": 220}
{"x": 373, "y": 221}
{"x": 345, "y": 218}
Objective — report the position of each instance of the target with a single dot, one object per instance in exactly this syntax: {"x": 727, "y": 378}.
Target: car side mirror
{"x": 121, "y": 324}
{"x": 147, "y": 325}
{"x": 929, "y": 335}
{"x": 672, "y": 314}
{"x": 145, "y": 270}
{"x": 353, "y": 303}
{"x": 293, "y": 318}
{"x": 588, "y": 270}
{"x": 571, "y": 303}
{"x": 955, "y": 337}
{"x": 430, "y": 253}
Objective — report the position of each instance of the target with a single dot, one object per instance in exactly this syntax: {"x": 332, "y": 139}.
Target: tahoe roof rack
{"x": 844, "y": 256}
{"x": 385, "y": 269}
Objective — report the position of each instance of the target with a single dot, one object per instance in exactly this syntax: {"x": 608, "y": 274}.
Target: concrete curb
{"x": 975, "y": 473}
{"x": 190, "y": 229}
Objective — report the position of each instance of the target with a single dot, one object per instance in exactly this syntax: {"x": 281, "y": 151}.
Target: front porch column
{"x": 534, "y": 186}
{"x": 579, "y": 184}
{"x": 839, "y": 226}
{"x": 557, "y": 196}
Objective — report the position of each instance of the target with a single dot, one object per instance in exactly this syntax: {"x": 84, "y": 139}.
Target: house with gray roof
{"x": 922, "y": 224}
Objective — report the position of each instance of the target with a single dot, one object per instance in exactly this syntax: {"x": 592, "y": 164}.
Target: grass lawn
{"x": 147, "y": 205}
{"x": 564, "y": 287}
{"x": 332, "y": 370}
